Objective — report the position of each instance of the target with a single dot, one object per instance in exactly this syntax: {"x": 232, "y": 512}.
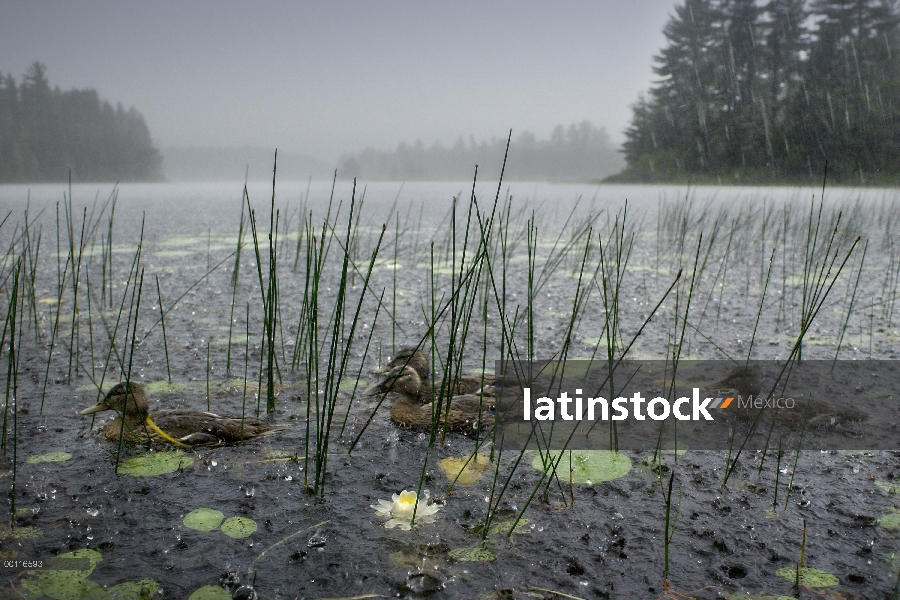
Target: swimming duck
{"x": 180, "y": 426}
{"x": 413, "y": 357}
{"x": 414, "y": 409}
{"x": 746, "y": 382}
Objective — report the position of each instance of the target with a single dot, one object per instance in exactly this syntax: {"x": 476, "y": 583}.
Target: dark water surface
{"x": 599, "y": 540}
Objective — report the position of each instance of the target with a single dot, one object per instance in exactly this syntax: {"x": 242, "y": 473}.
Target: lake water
{"x": 587, "y": 535}
{"x": 186, "y": 207}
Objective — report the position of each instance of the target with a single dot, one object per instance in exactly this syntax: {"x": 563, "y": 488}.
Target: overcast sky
{"x": 331, "y": 76}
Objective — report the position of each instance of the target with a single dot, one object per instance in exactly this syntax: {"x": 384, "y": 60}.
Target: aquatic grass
{"x": 339, "y": 352}
{"x": 819, "y": 279}
{"x": 235, "y": 276}
{"x": 859, "y": 271}
{"x": 135, "y": 310}
{"x": 162, "y": 319}
{"x": 671, "y": 524}
{"x": 12, "y": 378}
{"x": 362, "y": 363}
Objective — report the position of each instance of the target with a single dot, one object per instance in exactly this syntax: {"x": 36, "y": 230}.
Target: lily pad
{"x": 463, "y": 470}
{"x": 588, "y": 466}
{"x": 473, "y": 554}
{"x": 66, "y": 585}
{"x": 155, "y": 463}
{"x": 49, "y": 457}
{"x": 814, "y": 578}
{"x": 238, "y": 527}
{"x": 890, "y": 520}
{"x": 203, "y": 519}
{"x": 210, "y": 592}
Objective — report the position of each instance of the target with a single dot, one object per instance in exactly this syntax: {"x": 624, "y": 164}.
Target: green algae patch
{"x": 472, "y": 554}
{"x": 49, "y": 457}
{"x": 588, "y": 466}
{"x": 155, "y": 463}
{"x": 814, "y": 578}
{"x": 888, "y": 488}
{"x": 203, "y": 519}
{"x": 19, "y": 533}
{"x": 463, "y": 470}
{"x": 348, "y": 384}
{"x": 164, "y": 387}
{"x": 238, "y": 527}
{"x": 890, "y": 521}
{"x": 210, "y": 592}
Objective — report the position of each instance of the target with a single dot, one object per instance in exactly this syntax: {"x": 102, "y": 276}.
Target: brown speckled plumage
{"x": 189, "y": 427}
{"x": 412, "y": 409}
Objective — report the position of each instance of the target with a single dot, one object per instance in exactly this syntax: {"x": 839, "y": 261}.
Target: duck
{"x": 180, "y": 427}
{"x": 746, "y": 381}
{"x": 414, "y": 408}
{"x": 410, "y": 356}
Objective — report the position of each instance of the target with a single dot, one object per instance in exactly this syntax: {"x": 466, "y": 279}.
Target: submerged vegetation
{"x": 752, "y": 93}
{"x": 284, "y": 315}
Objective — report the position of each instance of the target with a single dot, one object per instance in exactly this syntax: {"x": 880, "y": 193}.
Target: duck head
{"x": 125, "y": 398}
{"x": 402, "y": 380}
{"x": 408, "y": 357}
{"x": 744, "y": 380}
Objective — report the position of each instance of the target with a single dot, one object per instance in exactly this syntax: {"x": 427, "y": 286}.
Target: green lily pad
{"x": 238, "y": 527}
{"x": 203, "y": 519}
{"x": 49, "y": 457}
{"x": 814, "y": 578}
{"x": 155, "y": 463}
{"x": 66, "y": 585}
{"x": 888, "y": 488}
{"x": 19, "y": 533}
{"x": 890, "y": 521}
{"x": 588, "y": 466}
{"x": 473, "y": 554}
{"x": 210, "y": 592}
{"x": 163, "y": 387}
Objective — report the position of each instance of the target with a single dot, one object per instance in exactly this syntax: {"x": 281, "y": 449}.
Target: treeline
{"x": 757, "y": 93}
{"x": 45, "y": 132}
{"x": 579, "y": 152}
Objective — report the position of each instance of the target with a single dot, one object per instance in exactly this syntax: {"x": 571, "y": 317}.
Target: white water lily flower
{"x": 401, "y": 507}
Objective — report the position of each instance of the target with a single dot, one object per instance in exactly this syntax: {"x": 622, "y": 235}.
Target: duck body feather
{"x": 817, "y": 413}
{"x": 179, "y": 426}
{"x": 414, "y": 409}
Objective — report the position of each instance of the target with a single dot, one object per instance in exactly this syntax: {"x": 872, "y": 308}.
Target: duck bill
{"x": 94, "y": 409}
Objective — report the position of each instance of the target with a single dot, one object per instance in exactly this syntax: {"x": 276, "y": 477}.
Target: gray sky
{"x": 331, "y": 76}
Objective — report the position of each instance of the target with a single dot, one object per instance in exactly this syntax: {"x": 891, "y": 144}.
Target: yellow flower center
{"x": 404, "y": 505}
